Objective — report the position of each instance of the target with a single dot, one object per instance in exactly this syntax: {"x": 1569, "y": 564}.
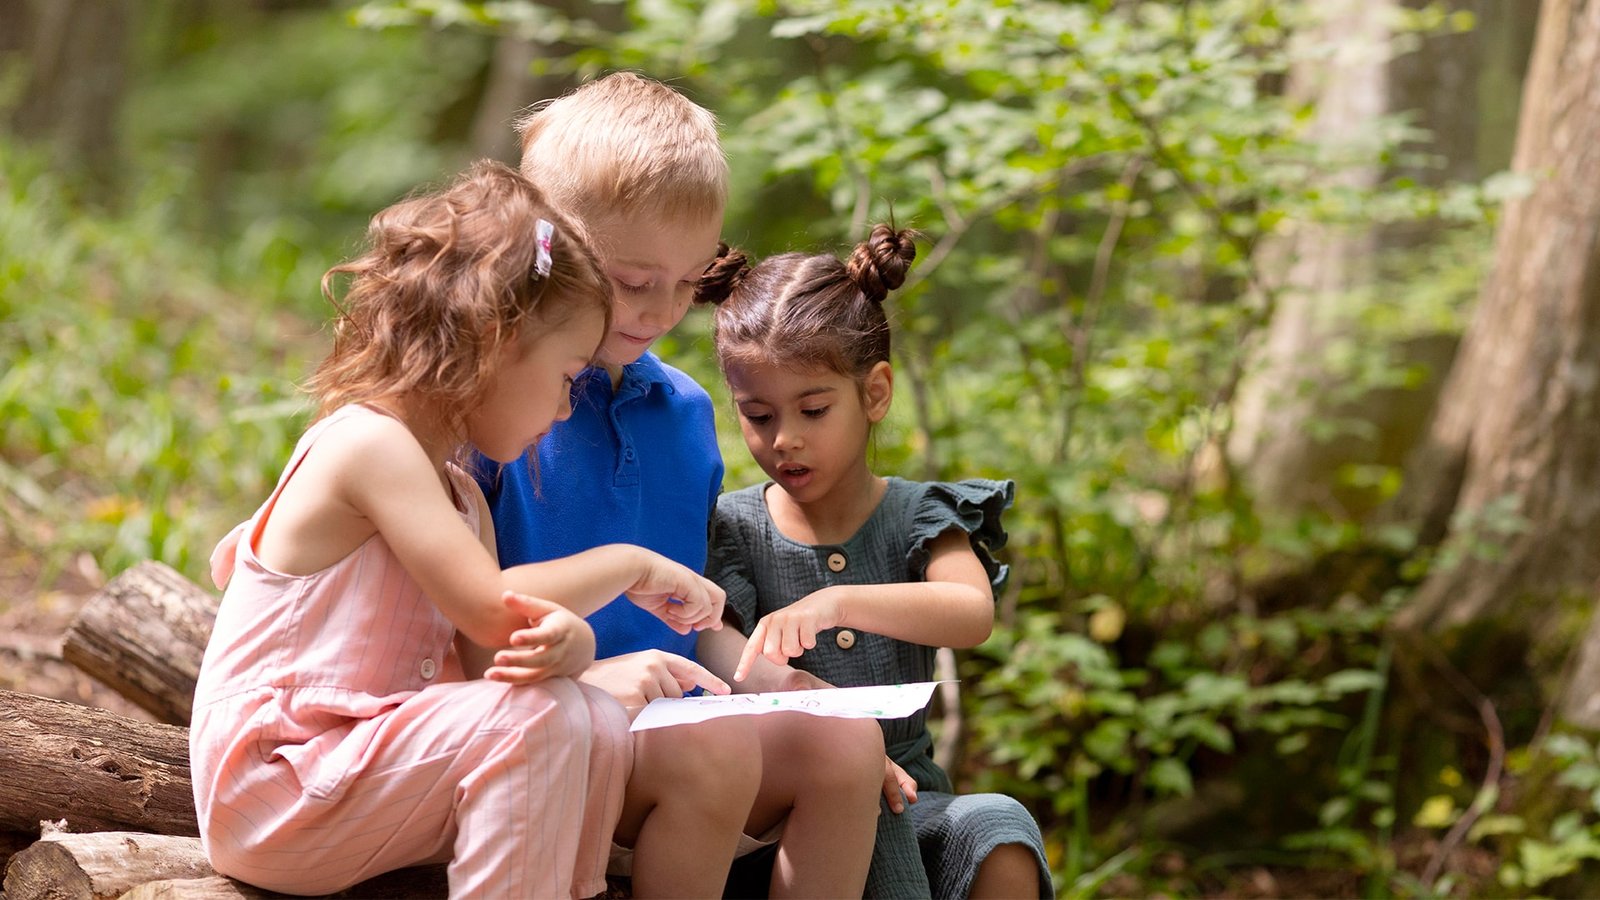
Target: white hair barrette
{"x": 543, "y": 231}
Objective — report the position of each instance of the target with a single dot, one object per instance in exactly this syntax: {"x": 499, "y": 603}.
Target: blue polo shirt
{"x": 638, "y": 465}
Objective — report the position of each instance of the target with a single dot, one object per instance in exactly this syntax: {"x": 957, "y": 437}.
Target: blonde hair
{"x": 448, "y": 278}
{"x": 626, "y": 144}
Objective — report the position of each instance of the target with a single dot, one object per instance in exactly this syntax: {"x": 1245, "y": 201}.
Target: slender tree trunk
{"x": 75, "y": 55}
{"x": 1298, "y": 421}
{"x": 511, "y": 87}
{"x": 1281, "y": 460}
{"x": 513, "y": 82}
{"x": 1518, "y": 415}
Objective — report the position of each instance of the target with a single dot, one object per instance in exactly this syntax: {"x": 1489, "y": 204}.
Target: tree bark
{"x": 144, "y": 635}
{"x": 1518, "y": 413}
{"x": 101, "y": 864}
{"x": 98, "y": 770}
{"x": 419, "y": 883}
{"x": 129, "y": 865}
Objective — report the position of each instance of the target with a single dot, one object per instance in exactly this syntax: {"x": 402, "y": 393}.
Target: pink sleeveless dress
{"x": 334, "y": 737}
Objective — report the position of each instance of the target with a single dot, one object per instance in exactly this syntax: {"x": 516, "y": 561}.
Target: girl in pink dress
{"x": 338, "y": 733}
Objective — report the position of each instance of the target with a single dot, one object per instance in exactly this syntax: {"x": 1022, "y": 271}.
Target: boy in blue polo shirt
{"x": 638, "y": 463}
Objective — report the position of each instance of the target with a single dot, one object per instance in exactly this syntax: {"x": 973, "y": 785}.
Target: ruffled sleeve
{"x": 226, "y": 553}
{"x": 727, "y": 564}
{"x": 973, "y": 506}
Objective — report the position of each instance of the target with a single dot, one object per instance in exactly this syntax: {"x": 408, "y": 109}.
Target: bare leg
{"x": 687, "y": 801}
{"x": 1007, "y": 873}
{"x": 826, "y": 776}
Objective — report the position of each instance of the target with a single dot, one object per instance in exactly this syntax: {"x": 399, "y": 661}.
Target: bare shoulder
{"x": 372, "y": 449}
{"x": 370, "y": 436}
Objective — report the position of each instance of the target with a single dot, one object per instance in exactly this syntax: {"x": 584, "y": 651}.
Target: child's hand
{"x": 789, "y": 632}
{"x": 557, "y": 643}
{"x": 677, "y": 595}
{"x": 637, "y": 678}
{"x": 896, "y": 782}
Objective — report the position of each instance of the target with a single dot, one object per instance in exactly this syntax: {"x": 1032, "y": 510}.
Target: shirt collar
{"x": 637, "y": 377}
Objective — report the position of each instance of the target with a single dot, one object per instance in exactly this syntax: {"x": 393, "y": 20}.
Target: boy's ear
{"x": 878, "y": 389}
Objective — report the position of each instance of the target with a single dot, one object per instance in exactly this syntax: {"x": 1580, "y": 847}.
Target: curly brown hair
{"x": 808, "y": 311}
{"x": 448, "y": 278}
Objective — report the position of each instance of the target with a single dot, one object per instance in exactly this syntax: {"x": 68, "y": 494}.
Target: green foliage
{"x": 126, "y": 435}
{"x": 149, "y": 397}
{"x": 282, "y": 134}
{"x": 1095, "y": 182}
{"x": 1570, "y": 839}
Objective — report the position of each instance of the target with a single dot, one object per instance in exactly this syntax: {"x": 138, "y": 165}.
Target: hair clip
{"x": 543, "y": 231}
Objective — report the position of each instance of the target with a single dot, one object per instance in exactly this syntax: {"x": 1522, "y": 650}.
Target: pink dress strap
{"x": 225, "y": 556}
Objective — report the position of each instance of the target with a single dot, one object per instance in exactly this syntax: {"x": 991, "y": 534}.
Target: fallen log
{"x": 420, "y": 883}
{"x": 216, "y": 887}
{"x": 100, "y": 865}
{"x": 13, "y": 841}
{"x": 105, "y": 864}
{"x": 98, "y": 770}
{"x": 143, "y": 635}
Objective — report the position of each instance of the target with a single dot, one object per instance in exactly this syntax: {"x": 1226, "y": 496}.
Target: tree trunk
{"x": 1298, "y": 420}
{"x": 511, "y": 86}
{"x": 1518, "y": 414}
{"x": 214, "y": 887}
{"x": 144, "y": 635}
{"x": 129, "y": 865}
{"x": 98, "y": 770}
{"x": 513, "y": 83}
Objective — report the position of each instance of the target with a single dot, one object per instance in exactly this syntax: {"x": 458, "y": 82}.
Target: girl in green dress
{"x": 851, "y": 576}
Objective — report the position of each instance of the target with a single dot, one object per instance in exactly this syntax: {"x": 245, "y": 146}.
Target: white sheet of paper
{"x": 895, "y": 701}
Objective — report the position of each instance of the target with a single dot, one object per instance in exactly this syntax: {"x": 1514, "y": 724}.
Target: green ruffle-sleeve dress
{"x": 935, "y": 847}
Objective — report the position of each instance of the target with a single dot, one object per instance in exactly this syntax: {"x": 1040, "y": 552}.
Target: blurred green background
{"x": 1193, "y": 274}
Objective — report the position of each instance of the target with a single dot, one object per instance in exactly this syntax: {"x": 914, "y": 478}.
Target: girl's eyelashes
{"x": 633, "y": 288}
{"x": 816, "y": 413}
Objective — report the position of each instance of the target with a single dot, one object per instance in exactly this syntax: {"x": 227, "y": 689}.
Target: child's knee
{"x": 719, "y": 761}
{"x": 841, "y": 753}
{"x": 551, "y": 712}
{"x": 1010, "y": 870}
{"x": 860, "y": 749}
{"x": 608, "y": 725}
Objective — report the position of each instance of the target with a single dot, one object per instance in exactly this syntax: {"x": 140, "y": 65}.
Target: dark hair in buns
{"x": 809, "y": 311}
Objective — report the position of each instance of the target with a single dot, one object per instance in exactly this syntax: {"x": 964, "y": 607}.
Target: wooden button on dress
{"x": 846, "y": 639}
{"x": 837, "y": 562}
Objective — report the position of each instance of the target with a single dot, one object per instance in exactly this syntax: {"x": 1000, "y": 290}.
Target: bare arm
{"x": 381, "y": 479}
{"x": 953, "y": 608}
{"x": 476, "y": 659}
